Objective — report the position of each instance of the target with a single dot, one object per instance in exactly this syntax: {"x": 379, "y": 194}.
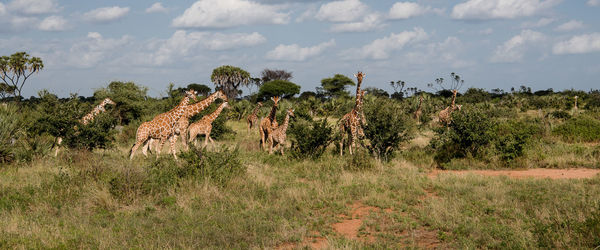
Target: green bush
{"x": 310, "y": 139}
{"x": 218, "y": 166}
{"x": 387, "y": 127}
{"x": 360, "y": 160}
{"x": 470, "y": 131}
{"x": 9, "y": 127}
{"x": 579, "y": 129}
{"x": 560, "y": 114}
{"x": 512, "y": 136}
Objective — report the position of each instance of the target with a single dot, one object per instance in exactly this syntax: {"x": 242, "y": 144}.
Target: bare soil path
{"x": 572, "y": 173}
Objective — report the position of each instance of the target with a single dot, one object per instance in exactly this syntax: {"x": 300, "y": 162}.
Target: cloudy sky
{"x": 490, "y": 43}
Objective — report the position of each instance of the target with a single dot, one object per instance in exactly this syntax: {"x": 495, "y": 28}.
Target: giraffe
{"x": 252, "y": 118}
{"x": 419, "y": 111}
{"x": 162, "y": 126}
{"x": 269, "y": 123}
{"x": 278, "y": 135}
{"x": 353, "y": 121}
{"x": 204, "y": 126}
{"x": 184, "y": 122}
{"x": 445, "y": 115}
{"x": 85, "y": 120}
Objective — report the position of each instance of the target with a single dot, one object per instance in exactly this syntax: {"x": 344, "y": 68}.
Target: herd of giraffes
{"x": 176, "y": 122}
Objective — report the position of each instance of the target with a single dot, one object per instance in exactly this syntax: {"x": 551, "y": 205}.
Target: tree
{"x": 278, "y": 88}
{"x": 6, "y": 90}
{"x": 17, "y": 68}
{"x": 336, "y": 85}
{"x": 129, "y": 97}
{"x": 229, "y": 78}
{"x": 377, "y": 92}
{"x": 456, "y": 83}
{"x": 268, "y": 75}
{"x": 200, "y": 88}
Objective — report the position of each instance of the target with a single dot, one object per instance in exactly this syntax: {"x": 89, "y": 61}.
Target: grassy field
{"x": 101, "y": 199}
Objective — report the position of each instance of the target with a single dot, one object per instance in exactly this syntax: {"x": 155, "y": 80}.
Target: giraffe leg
{"x": 172, "y": 141}
{"x": 270, "y": 140}
{"x": 134, "y": 148}
{"x": 282, "y": 146}
{"x": 183, "y": 135}
{"x": 160, "y": 145}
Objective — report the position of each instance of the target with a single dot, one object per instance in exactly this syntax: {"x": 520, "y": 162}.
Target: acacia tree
{"x": 16, "y": 69}
{"x": 335, "y": 86}
{"x": 229, "y": 78}
{"x": 268, "y": 75}
{"x": 456, "y": 83}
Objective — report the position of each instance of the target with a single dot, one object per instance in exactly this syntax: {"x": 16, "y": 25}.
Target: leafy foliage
{"x": 278, "y": 88}
{"x": 310, "y": 139}
{"x": 579, "y": 129}
{"x": 512, "y": 137}
{"x": 229, "y": 79}
{"x": 336, "y": 85}
{"x": 130, "y": 99}
{"x": 387, "y": 127}
{"x": 17, "y": 68}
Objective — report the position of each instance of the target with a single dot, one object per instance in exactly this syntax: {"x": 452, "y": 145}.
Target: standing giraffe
{"x": 419, "y": 111}
{"x": 352, "y": 122}
{"x": 85, "y": 120}
{"x": 190, "y": 111}
{"x": 253, "y": 118}
{"x": 162, "y": 126}
{"x": 445, "y": 116}
{"x": 204, "y": 126}
{"x": 269, "y": 123}
{"x": 278, "y": 135}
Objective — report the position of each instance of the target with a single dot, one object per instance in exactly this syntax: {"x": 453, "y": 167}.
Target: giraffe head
{"x": 259, "y": 104}
{"x": 290, "y": 112}
{"x": 221, "y": 94}
{"x": 454, "y": 91}
{"x": 576, "y": 97}
{"x": 108, "y": 101}
{"x": 458, "y": 107}
{"x": 191, "y": 94}
{"x": 359, "y": 76}
{"x": 275, "y": 99}
{"x": 225, "y": 105}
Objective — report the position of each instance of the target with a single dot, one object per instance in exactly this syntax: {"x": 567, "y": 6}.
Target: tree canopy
{"x": 229, "y": 78}
{"x": 278, "y": 88}
{"x": 336, "y": 85}
{"x": 268, "y": 75}
{"x": 129, "y": 97}
{"x": 16, "y": 69}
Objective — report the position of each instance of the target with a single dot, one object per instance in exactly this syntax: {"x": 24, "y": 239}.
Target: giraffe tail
{"x": 131, "y": 149}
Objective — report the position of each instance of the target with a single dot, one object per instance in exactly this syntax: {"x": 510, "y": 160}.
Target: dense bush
{"x": 387, "y": 127}
{"x": 219, "y": 166}
{"x": 560, "y": 114}
{"x": 360, "y": 160}
{"x": 310, "y": 139}
{"x": 512, "y": 137}
{"x": 579, "y": 129}
{"x": 9, "y": 127}
{"x": 470, "y": 131}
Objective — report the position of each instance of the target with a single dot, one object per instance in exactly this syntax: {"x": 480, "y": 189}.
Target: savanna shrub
{"x": 387, "y": 127}
{"x": 512, "y": 136}
{"x": 560, "y": 114}
{"x": 97, "y": 134}
{"x": 470, "y": 131}
{"x": 360, "y": 160}
{"x": 310, "y": 139}
{"x": 579, "y": 129}
{"x": 219, "y": 166}
{"x": 9, "y": 127}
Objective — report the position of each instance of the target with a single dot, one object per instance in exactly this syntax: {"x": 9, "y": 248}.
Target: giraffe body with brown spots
{"x": 163, "y": 126}
{"x": 269, "y": 123}
{"x": 445, "y": 115}
{"x": 278, "y": 135}
{"x": 252, "y": 119}
{"x": 184, "y": 122}
{"x": 419, "y": 110}
{"x": 204, "y": 126}
{"x": 352, "y": 122}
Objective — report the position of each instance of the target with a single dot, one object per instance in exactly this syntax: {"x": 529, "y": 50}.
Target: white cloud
{"x": 514, "y": 49}
{"x": 106, "y": 14}
{"x": 500, "y": 9}
{"x": 294, "y": 52}
{"x": 581, "y": 44}
{"x": 341, "y": 11}
{"x": 368, "y": 23}
{"x": 182, "y": 43}
{"x": 156, "y": 7}
{"x": 539, "y": 23}
{"x": 92, "y": 50}
{"x": 570, "y": 25}
{"x": 34, "y": 7}
{"x": 487, "y": 31}
{"x": 229, "y": 13}
{"x": 449, "y": 52}
{"x": 53, "y": 23}
{"x": 593, "y": 2}
{"x": 406, "y": 10}
{"x": 381, "y": 48}
{"x": 2, "y": 9}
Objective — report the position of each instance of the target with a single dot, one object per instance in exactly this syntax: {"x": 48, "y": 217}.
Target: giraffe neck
{"x": 255, "y": 111}
{"x": 196, "y": 108}
{"x": 285, "y": 123}
{"x": 453, "y": 99}
{"x": 420, "y": 103}
{"x": 210, "y": 118}
{"x": 180, "y": 109}
{"x": 359, "y": 82}
{"x": 273, "y": 112}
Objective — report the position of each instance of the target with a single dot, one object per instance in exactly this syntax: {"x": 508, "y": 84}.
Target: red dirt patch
{"x": 349, "y": 227}
{"x": 573, "y": 173}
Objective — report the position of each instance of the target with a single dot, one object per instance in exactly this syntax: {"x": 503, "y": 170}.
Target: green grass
{"x": 71, "y": 202}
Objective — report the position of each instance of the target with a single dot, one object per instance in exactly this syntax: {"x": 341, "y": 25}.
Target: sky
{"x": 490, "y": 43}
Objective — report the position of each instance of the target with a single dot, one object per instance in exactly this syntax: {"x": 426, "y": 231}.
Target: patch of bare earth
{"x": 573, "y": 173}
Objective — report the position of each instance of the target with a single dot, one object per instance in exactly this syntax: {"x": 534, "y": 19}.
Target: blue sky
{"x": 490, "y": 43}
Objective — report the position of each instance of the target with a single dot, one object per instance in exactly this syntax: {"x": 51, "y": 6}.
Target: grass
{"x": 69, "y": 202}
